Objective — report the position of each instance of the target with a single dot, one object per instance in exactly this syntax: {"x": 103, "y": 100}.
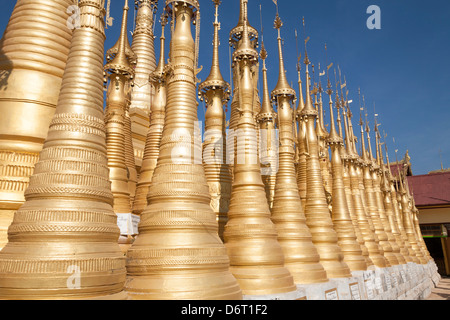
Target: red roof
{"x": 430, "y": 189}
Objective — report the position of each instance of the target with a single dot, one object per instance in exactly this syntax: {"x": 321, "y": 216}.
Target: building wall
{"x": 434, "y": 215}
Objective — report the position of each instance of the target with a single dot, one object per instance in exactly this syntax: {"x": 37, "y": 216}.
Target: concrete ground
{"x": 442, "y": 291}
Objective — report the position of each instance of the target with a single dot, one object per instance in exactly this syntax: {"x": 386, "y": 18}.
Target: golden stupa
{"x": 63, "y": 239}
{"x": 216, "y": 93}
{"x": 256, "y": 257}
{"x": 359, "y": 209}
{"x": 153, "y": 139}
{"x": 340, "y": 212}
{"x": 121, "y": 72}
{"x": 317, "y": 212}
{"x": 33, "y": 54}
{"x": 270, "y": 205}
{"x": 178, "y": 253}
{"x": 301, "y": 256}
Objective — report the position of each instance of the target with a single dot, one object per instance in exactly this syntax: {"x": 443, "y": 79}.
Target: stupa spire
{"x": 371, "y": 197}
{"x": 216, "y": 93}
{"x": 301, "y": 256}
{"x": 236, "y": 33}
{"x": 178, "y": 234}
{"x": 142, "y": 94}
{"x": 324, "y": 236}
{"x": 67, "y": 224}
{"x": 121, "y": 72}
{"x": 396, "y": 242}
{"x": 301, "y": 135}
{"x": 340, "y": 212}
{"x": 267, "y": 124}
{"x": 250, "y": 235}
{"x": 153, "y": 139}
{"x": 34, "y": 50}
{"x": 363, "y": 221}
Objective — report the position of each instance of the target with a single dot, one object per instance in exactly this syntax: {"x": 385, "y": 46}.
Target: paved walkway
{"x": 442, "y": 291}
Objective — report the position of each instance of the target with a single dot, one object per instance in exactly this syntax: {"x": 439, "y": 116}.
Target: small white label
{"x": 388, "y": 282}
{"x": 369, "y": 289}
{"x": 128, "y": 223}
{"x": 378, "y": 284}
{"x": 403, "y": 276}
{"x": 395, "y": 280}
{"x": 354, "y": 289}
{"x": 331, "y": 295}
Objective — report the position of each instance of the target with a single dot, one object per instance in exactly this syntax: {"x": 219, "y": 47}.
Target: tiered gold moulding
{"x": 383, "y": 199}
{"x": 235, "y": 37}
{"x": 419, "y": 234}
{"x": 63, "y": 240}
{"x": 256, "y": 257}
{"x": 322, "y": 139}
{"x": 121, "y": 61}
{"x": 178, "y": 253}
{"x": 346, "y": 162}
{"x": 301, "y": 256}
{"x": 33, "y": 54}
{"x": 408, "y": 253}
{"x": 371, "y": 205}
{"x": 397, "y": 244}
{"x": 128, "y": 148}
{"x": 408, "y": 224}
{"x": 216, "y": 93}
{"x": 358, "y": 195}
{"x": 414, "y": 221}
{"x": 153, "y": 140}
{"x": 342, "y": 220}
{"x": 389, "y": 252}
{"x": 121, "y": 72}
{"x": 143, "y": 91}
{"x": 130, "y": 159}
{"x": 268, "y": 136}
{"x": 301, "y": 143}
{"x": 317, "y": 212}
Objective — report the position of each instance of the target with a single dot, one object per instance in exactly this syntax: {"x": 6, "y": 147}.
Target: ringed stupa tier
{"x": 178, "y": 253}
{"x": 33, "y": 55}
{"x": 67, "y": 223}
{"x": 301, "y": 256}
{"x": 216, "y": 94}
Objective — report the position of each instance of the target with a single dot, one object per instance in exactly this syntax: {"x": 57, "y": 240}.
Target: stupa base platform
{"x": 409, "y": 281}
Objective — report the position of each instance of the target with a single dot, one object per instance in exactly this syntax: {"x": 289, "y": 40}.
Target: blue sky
{"x": 403, "y": 68}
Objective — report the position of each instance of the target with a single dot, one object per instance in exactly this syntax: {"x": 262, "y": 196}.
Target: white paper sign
{"x": 369, "y": 289}
{"x": 128, "y": 223}
{"x": 394, "y": 277}
{"x": 388, "y": 282}
{"x": 331, "y": 295}
{"x": 403, "y": 276}
{"x": 378, "y": 284}
{"x": 354, "y": 289}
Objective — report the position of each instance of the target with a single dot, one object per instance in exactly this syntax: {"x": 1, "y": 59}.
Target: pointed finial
{"x": 215, "y": 80}
{"x": 301, "y": 102}
{"x": 159, "y": 71}
{"x": 215, "y": 74}
{"x": 387, "y": 157}
{"x": 333, "y": 137}
{"x": 282, "y": 87}
{"x": 308, "y": 109}
{"x": 369, "y": 143}
{"x": 237, "y": 32}
{"x": 361, "y": 124}
{"x": 245, "y": 49}
{"x": 120, "y": 58}
{"x": 267, "y": 112}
